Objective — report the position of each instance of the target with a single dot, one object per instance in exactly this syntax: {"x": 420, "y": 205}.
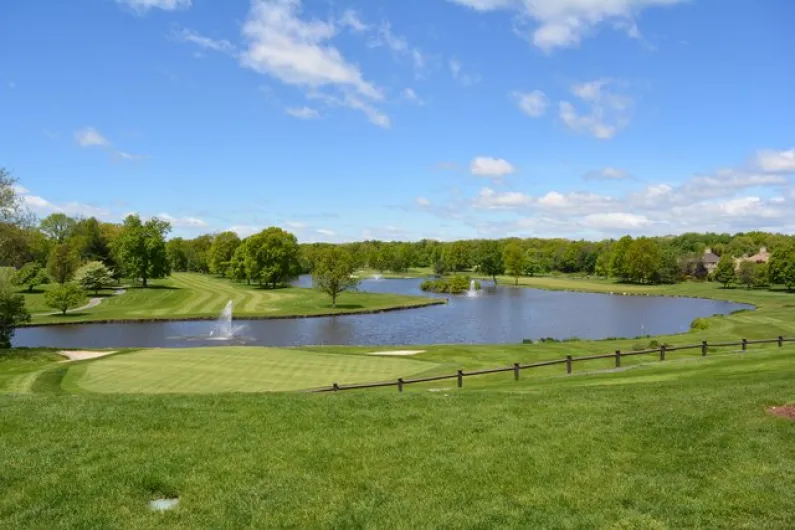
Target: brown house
{"x": 710, "y": 260}
{"x": 763, "y": 256}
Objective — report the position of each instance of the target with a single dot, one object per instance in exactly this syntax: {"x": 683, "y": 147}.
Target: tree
{"x": 237, "y": 266}
{"x": 93, "y": 276}
{"x": 456, "y": 256}
{"x": 221, "y": 252}
{"x": 65, "y": 297}
{"x": 31, "y": 275}
{"x": 515, "y": 260}
{"x": 89, "y": 240}
{"x": 279, "y": 254}
{"x": 741, "y": 245}
{"x": 602, "y": 267}
{"x": 724, "y": 273}
{"x": 177, "y": 254}
{"x": 141, "y": 248}
{"x": 12, "y": 309}
{"x": 12, "y": 208}
{"x": 618, "y": 261}
{"x": 58, "y": 227}
{"x": 642, "y": 260}
{"x": 762, "y": 275}
{"x": 489, "y": 259}
{"x": 333, "y": 272}
{"x": 198, "y": 253}
{"x": 746, "y": 273}
{"x": 63, "y": 263}
{"x": 782, "y": 266}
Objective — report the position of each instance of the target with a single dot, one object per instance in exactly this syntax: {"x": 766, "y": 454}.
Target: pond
{"x": 497, "y": 314}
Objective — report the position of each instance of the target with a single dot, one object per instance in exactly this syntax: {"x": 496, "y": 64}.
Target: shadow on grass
{"x": 343, "y": 306}
{"x": 140, "y": 287}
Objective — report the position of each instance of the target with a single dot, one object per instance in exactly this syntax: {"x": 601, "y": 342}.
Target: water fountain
{"x": 472, "y": 290}
{"x": 224, "y": 329}
{"x": 378, "y": 276}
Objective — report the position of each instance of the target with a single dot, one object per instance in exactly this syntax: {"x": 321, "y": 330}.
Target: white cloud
{"x": 776, "y": 161}
{"x": 551, "y": 24}
{"x": 423, "y": 202}
{"x": 182, "y": 222}
{"x": 607, "y": 173}
{"x": 410, "y": 95}
{"x": 616, "y": 221}
{"x": 350, "y": 18}
{"x": 495, "y": 168}
{"x": 304, "y": 113}
{"x": 488, "y": 199}
{"x": 142, "y": 6}
{"x": 295, "y": 225}
{"x": 297, "y": 51}
{"x": 90, "y": 137}
{"x": 456, "y": 70}
{"x": 245, "y": 230}
{"x": 534, "y": 103}
{"x": 384, "y": 36}
{"x": 42, "y": 207}
{"x": 326, "y": 232}
{"x": 608, "y": 113}
{"x": 219, "y": 45}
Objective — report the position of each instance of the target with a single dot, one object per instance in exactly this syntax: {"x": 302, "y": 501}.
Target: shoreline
{"x": 144, "y": 320}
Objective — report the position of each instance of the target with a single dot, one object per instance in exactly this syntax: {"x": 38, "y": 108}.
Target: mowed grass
{"x": 186, "y": 295}
{"x": 232, "y": 369}
{"x": 683, "y": 444}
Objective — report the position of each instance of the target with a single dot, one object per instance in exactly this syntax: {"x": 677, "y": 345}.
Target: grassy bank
{"x": 673, "y": 445}
{"x": 186, "y": 296}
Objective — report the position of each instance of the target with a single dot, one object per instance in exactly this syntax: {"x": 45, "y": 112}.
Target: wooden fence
{"x": 568, "y": 361}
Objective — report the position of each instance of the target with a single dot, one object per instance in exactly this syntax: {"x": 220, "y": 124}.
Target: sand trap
{"x": 82, "y": 355}
{"x": 397, "y": 352}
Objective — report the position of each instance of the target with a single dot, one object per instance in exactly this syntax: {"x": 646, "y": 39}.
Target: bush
{"x": 699, "y": 324}
{"x": 12, "y": 310}
{"x": 65, "y": 297}
{"x": 453, "y": 285}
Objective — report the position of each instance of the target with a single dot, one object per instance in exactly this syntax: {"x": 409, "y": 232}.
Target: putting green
{"x": 233, "y": 369}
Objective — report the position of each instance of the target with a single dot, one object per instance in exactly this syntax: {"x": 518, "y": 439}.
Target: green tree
{"x": 89, "y": 240}
{"x": 198, "y": 253}
{"x": 12, "y": 208}
{"x": 237, "y": 265}
{"x": 141, "y": 248}
{"x": 515, "y": 260}
{"x": 724, "y": 272}
{"x": 642, "y": 260}
{"x": 489, "y": 259}
{"x": 740, "y": 246}
{"x": 456, "y": 256}
{"x": 177, "y": 254}
{"x": 746, "y": 273}
{"x": 93, "y": 276}
{"x": 618, "y": 259}
{"x": 762, "y": 275}
{"x": 58, "y": 227}
{"x": 280, "y": 253}
{"x": 65, "y": 297}
{"x": 602, "y": 267}
{"x": 12, "y": 309}
{"x": 31, "y": 275}
{"x": 333, "y": 273}
{"x": 63, "y": 263}
{"x": 223, "y": 248}
{"x": 782, "y": 266}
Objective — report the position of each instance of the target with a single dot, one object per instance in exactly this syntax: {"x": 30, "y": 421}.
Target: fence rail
{"x": 568, "y": 361}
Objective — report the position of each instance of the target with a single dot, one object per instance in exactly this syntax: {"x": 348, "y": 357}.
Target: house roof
{"x": 709, "y": 257}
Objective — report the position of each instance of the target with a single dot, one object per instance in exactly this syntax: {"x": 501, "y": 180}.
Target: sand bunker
{"x": 397, "y": 352}
{"x": 787, "y": 411}
{"x": 82, "y": 355}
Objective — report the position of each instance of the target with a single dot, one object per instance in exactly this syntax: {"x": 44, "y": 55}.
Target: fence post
{"x": 745, "y": 344}
{"x": 460, "y": 378}
{"x": 568, "y": 364}
{"x": 703, "y": 348}
{"x": 335, "y": 387}
{"x": 618, "y": 358}
{"x": 662, "y": 352}
{"x": 515, "y": 371}
{"x": 400, "y": 384}
{"x": 780, "y": 342}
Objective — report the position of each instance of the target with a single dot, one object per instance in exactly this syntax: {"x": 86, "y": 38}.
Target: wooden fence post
{"x": 460, "y": 378}
{"x": 400, "y": 384}
{"x": 703, "y": 348}
{"x": 568, "y": 364}
{"x": 662, "y": 352}
{"x": 780, "y": 342}
{"x": 745, "y": 344}
{"x": 515, "y": 371}
{"x": 618, "y": 358}
{"x": 336, "y": 387}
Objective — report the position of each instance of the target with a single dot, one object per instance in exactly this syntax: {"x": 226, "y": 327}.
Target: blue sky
{"x": 350, "y": 119}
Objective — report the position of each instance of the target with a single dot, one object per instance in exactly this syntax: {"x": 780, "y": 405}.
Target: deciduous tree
{"x": 333, "y": 273}
{"x": 489, "y": 259}
{"x": 93, "y": 276}
{"x": 58, "y": 227}
{"x": 31, "y": 275}
{"x": 746, "y": 273}
{"x": 724, "y": 273}
{"x": 12, "y": 309}
{"x": 63, "y": 263}
{"x": 221, "y": 252}
{"x": 515, "y": 260}
{"x": 782, "y": 266}
{"x": 65, "y": 297}
{"x": 141, "y": 248}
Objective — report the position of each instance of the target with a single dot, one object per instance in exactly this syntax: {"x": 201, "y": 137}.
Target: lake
{"x": 497, "y": 314}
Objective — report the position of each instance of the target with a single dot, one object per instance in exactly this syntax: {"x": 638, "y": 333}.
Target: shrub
{"x": 699, "y": 324}
{"x": 65, "y": 297}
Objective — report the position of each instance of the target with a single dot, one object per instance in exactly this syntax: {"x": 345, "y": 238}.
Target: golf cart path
{"x": 92, "y": 303}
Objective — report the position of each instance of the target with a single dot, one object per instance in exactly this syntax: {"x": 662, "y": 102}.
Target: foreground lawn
{"x": 187, "y": 295}
{"x": 232, "y": 369}
{"x": 680, "y": 444}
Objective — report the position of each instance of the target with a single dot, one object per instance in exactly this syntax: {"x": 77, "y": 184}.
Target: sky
{"x": 344, "y": 120}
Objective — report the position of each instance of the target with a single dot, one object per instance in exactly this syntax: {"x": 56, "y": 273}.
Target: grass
{"x": 681, "y": 444}
{"x": 232, "y": 369}
{"x": 185, "y": 296}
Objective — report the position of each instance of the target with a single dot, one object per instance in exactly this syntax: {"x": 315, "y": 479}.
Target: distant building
{"x": 710, "y": 260}
{"x": 763, "y": 256}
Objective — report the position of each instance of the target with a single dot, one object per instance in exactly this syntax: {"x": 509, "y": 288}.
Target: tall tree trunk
{"x": 145, "y": 284}
{"x": 334, "y": 300}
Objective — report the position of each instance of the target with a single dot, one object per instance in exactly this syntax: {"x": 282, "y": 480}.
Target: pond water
{"x": 497, "y": 314}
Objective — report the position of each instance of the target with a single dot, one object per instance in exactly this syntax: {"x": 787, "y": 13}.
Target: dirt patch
{"x": 786, "y": 411}
{"x": 82, "y": 355}
{"x": 397, "y": 352}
